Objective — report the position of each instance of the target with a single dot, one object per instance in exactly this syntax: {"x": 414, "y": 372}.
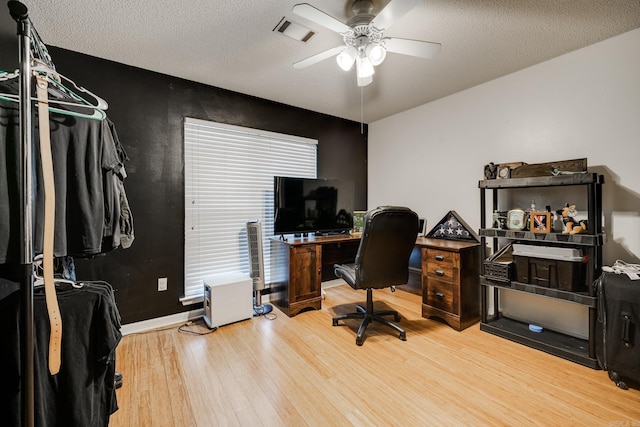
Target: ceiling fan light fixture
{"x": 363, "y": 37}
{"x": 376, "y": 54}
{"x": 364, "y": 70}
{"x": 346, "y": 58}
{"x": 363, "y": 81}
{"x": 364, "y": 67}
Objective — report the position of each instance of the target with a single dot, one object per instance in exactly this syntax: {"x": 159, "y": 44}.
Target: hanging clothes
{"x": 83, "y": 391}
{"x": 78, "y": 388}
{"x": 92, "y": 212}
{"x": 118, "y": 231}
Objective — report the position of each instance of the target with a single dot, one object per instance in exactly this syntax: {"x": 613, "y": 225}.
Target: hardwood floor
{"x": 302, "y": 371}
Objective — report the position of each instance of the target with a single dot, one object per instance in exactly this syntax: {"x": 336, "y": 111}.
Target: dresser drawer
{"x": 442, "y": 265}
{"x": 439, "y": 272}
{"x": 442, "y": 258}
{"x": 442, "y": 295}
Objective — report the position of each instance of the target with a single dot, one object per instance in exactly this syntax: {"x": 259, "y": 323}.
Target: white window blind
{"x": 229, "y": 174}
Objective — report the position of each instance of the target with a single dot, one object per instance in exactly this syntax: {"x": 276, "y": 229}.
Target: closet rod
{"x": 19, "y": 13}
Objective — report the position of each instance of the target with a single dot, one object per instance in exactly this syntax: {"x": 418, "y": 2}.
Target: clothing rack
{"x": 58, "y": 94}
{"x": 19, "y": 13}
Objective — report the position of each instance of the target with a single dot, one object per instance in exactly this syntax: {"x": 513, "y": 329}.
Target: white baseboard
{"x": 161, "y": 322}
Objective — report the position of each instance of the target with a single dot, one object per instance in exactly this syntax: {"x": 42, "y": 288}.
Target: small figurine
{"x": 571, "y": 224}
{"x": 499, "y": 220}
{"x": 490, "y": 171}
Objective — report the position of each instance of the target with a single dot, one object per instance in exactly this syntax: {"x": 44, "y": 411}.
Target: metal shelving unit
{"x": 566, "y": 346}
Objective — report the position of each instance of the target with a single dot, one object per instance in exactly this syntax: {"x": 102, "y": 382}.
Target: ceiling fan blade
{"x": 319, "y": 57}
{"x": 421, "y": 49}
{"x": 393, "y": 11}
{"x": 319, "y": 17}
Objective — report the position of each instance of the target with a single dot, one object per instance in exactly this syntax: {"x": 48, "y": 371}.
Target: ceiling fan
{"x": 363, "y": 36}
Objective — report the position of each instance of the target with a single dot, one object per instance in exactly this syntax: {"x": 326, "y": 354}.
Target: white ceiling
{"x": 230, "y": 44}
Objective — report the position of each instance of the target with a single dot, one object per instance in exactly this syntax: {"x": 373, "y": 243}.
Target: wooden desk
{"x": 449, "y": 275}
{"x": 300, "y": 265}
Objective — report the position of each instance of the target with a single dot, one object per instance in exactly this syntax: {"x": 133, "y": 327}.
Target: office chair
{"x": 382, "y": 261}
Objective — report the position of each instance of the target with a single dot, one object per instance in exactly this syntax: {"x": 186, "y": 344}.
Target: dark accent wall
{"x": 148, "y": 110}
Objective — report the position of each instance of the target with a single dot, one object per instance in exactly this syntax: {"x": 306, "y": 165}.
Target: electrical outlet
{"x": 162, "y": 284}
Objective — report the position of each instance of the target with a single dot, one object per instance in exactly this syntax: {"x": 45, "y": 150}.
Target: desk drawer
{"x": 446, "y": 273}
{"x": 442, "y": 258}
{"x": 442, "y": 265}
{"x": 442, "y": 295}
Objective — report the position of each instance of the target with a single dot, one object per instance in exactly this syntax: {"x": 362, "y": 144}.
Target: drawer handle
{"x": 439, "y": 272}
{"x": 439, "y": 258}
{"x": 440, "y": 295}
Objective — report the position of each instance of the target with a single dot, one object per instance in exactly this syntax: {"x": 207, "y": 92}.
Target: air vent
{"x": 294, "y": 30}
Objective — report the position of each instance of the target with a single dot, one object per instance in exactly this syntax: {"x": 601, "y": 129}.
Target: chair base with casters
{"x": 367, "y": 314}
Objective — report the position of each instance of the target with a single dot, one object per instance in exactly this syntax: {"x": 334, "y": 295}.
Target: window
{"x": 229, "y": 174}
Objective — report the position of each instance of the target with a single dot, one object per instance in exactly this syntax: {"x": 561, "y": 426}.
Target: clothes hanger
{"x": 95, "y": 115}
{"x": 42, "y": 63}
{"x": 58, "y": 281}
{"x": 54, "y": 78}
{"x": 61, "y": 95}
{"x": 5, "y": 75}
{"x": 39, "y": 278}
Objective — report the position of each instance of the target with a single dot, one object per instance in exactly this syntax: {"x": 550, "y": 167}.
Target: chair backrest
{"x": 388, "y": 237}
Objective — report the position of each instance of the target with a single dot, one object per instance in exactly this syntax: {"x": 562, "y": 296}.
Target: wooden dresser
{"x": 450, "y": 281}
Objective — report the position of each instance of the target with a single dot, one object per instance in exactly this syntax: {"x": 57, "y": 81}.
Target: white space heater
{"x": 227, "y": 299}
{"x": 256, "y": 266}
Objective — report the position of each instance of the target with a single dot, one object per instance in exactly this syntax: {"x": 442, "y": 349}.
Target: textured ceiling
{"x": 230, "y": 44}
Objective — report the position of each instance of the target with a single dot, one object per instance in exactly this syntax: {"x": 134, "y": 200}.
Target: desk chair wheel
{"x": 360, "y": 339}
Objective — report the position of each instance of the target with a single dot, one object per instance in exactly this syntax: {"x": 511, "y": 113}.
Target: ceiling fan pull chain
{"x": 361, "y": 110}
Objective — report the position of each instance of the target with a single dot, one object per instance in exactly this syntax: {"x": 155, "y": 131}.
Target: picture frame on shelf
{"x": 422, "y": 228}
{"x": 516, "y": 219}
{"x": 358, "y": 221}
{"x": 540, "y": 222}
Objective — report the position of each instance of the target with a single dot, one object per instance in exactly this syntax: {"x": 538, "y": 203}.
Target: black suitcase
{"x": 618, "y": 328}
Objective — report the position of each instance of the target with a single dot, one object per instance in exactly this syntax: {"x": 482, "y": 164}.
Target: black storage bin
{"x": 561, "y": 268}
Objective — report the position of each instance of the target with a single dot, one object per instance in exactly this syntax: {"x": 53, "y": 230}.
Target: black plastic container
{"x": 561, "y": 268}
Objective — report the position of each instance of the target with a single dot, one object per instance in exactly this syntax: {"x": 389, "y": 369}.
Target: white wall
{"x": 585, "y": 104}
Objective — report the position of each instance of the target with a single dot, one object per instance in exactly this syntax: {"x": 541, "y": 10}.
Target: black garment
{"x": 83, "y": 392}
{"x": 10, "y": 230}
{"x": 118, "y": 224}
{"x": 86, "y": 157}
{"x": 81, "y": 152}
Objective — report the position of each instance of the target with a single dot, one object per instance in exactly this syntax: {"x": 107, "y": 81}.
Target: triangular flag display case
{"x": 453, "y": 227}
